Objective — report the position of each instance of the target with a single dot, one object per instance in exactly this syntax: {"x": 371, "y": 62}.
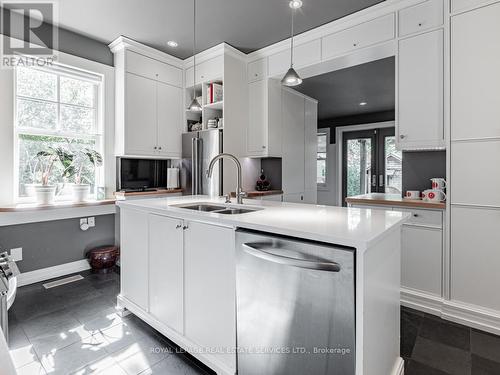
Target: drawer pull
{"x": 420, "y": 24}
{"x": 415, "y": 215}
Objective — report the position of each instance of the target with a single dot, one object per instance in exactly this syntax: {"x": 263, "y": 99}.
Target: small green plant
{"x": 81, "y": 160}
{"x": 48, "y": 158}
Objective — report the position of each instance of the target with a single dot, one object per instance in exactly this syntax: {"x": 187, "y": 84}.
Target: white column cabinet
{"x": 311, "y": 152}
{"x": 421, "y": 91}
{"x": 210, "y": 288}
{"x": 166, "y": 277}
{"x": 134, "y": 257}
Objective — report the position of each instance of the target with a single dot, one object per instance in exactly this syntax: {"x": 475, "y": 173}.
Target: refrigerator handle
{"x": 197, "y": 145}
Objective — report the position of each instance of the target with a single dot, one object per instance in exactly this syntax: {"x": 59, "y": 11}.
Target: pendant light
{"x": 195, "y": 105}
{"x": 291, "y": 77}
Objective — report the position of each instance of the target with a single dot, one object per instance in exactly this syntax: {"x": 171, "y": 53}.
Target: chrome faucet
{"x": 240, "y": 194}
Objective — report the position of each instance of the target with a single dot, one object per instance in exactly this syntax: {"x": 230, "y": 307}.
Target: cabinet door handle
{"x": 380, "y": 180}
{"x": 185, "y": 227}
{"x": 402, "y": 136}
{"x": 178, "y": 226}
{"x": 159, "y": 148}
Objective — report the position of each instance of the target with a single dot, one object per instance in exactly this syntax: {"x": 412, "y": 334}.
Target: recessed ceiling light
{"x": 172, "y": 43}
{"x": 295, "y": 4}
{"x": 362, "y": 104}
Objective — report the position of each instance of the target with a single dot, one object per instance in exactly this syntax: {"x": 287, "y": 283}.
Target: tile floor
{"x": 433, "y": 346}
{"x": 74, "y": 329}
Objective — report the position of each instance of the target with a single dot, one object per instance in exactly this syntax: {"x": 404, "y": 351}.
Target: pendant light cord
{"x": 291, "y": 41}
{"x": 194, "y": 49}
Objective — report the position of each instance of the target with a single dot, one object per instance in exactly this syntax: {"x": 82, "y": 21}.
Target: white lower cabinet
{"x": 210, "y": 288}
{"x": 134, "y": 257}
{"x": 475, "y": 256}
{"x": 180, "y": 276}
{"x": 421, "y": 259}
{"x": 166, "y": 279}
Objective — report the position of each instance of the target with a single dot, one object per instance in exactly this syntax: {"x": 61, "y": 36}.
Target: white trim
{"x": 339, "y": 131}
{"x": 48, "y": 273}
{"x": 123, "y": 42}
{"x": 325, "y": 186}
{"x": 51, "y": 214}
{"x": 421, "y": 301}
{"x": 399, "y": 367}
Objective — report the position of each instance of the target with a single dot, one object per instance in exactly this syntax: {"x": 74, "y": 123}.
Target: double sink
{"x": 218, "y": 209}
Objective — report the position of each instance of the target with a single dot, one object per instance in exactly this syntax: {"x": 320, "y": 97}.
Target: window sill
{"x": 33, "y": 213}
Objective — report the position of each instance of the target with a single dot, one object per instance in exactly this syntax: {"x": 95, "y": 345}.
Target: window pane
{"x": 77, "y": 119}
{"x": 321, "y": 142}
{"x": 36, "y": 114}
{"x": 359, "y": 163}
{"x": 36, "y": 84}
{"x": 393, "y": 167}
{"x": 30, "y": 167}
{"x": 321, "y": 172}
{"x": 78, "y": 92}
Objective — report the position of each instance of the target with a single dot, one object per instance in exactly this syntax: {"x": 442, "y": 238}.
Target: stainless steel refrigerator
{"x": 198, "y": 149}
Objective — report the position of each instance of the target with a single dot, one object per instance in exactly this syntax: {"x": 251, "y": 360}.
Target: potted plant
{"x": 45, "y": 192}
{"x": 82, "y": 160}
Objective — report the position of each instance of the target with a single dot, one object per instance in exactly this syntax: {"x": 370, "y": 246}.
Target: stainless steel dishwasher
{"x": 295, "y": 306}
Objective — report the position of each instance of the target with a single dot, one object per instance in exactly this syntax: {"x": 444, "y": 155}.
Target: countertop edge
{"x": 400, "y": 203}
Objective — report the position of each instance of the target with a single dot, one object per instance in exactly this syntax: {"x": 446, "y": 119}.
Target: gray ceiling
{"x": 245, "y": 24}
{"x": 339, "y": 93}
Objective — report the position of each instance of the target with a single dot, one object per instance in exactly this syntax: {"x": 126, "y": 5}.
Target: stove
{"x": 8, "y": 286}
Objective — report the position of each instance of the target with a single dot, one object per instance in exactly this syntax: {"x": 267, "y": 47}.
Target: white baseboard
{"x": 48, "y": 273}
{"x": 399, "y": 367}
{"x": 459, "y": 312}
{"x": 421, "y": 301}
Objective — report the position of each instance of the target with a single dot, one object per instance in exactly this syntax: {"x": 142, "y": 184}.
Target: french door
{"x": 370, "y": 163}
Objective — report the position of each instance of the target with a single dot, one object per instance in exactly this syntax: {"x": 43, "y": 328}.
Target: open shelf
{"x": 217, "y": 105}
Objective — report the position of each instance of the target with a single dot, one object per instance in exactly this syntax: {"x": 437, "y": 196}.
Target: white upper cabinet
{"x": 169, "y": 110}
{"x": 421, "y": 91}
{"x": 148, "y": 105}
{"x": 264, "y": 130}
{"x": 257, "y": 70}
{"x": 140, "y": 115}
{"x": 303, "y": 55}
{"x": 461, "y": 5}
{"x": 421, "y": 17}
{"x": 360, "y": 36}
{"x": 206, "y": 71}
{"x": 154, "y": 69}
{"x": 475, "y": 74}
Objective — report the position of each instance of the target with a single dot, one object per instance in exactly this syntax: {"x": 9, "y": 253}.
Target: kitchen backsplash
{"x": 420, "y": 166}
{"x": 272, "y": 170}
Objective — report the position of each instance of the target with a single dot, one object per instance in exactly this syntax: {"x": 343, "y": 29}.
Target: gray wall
{"x": 72, "y": 43}
{"x": 57, "y": 242}
{"x": 420, "y": 166}
{"x": 367, "y": 118}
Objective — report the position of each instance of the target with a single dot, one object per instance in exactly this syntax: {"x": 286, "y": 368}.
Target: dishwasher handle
{"x": 260, "y": 252}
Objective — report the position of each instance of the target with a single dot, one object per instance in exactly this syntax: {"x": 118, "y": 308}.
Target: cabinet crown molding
{"x": 124, "y": 43}
{"x": 219, "y": 49}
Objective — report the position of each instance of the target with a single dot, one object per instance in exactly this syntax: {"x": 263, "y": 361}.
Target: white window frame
{"x": 325, "y": 131}
{"x": 98, "y": 135}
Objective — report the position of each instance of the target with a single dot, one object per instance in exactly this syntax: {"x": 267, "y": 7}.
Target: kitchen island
{"x": 179, "y": 274}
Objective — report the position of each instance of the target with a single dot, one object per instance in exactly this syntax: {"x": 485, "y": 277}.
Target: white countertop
{"x": 354, "y": 227}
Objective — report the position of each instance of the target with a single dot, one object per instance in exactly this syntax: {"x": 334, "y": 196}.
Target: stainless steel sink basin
{"x": 235, "y": 211}
{"x": 218, "y": 209}
{"x": 202, "y": 207}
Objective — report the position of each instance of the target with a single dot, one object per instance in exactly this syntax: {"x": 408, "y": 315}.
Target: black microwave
{"x": 141, "y": 174}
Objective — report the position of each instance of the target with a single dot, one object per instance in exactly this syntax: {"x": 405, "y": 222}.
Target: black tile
{"x": 445, "y": 332}
{"x": 485, "y": 345}
{"x": 417, "y": 368}
{"x": 483, "y": 366}
{"x": 410, "y": 325}
{"x": 442, "y": 357}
